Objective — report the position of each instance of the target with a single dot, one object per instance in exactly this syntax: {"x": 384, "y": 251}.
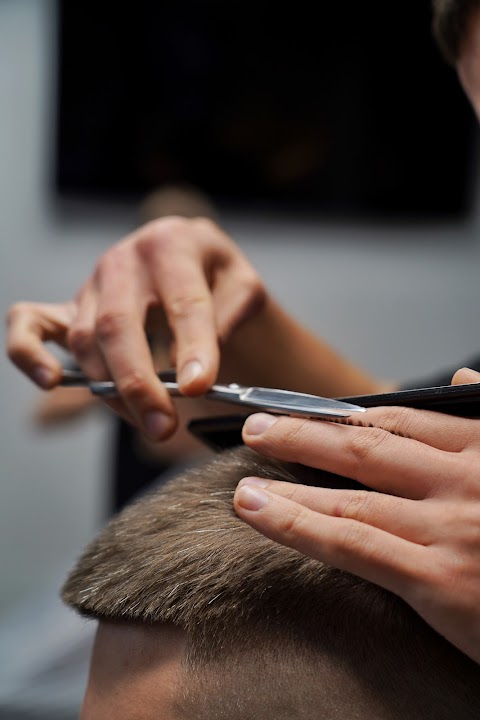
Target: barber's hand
{"x": 418, "y": 534}
{"x": 186, "y": 271}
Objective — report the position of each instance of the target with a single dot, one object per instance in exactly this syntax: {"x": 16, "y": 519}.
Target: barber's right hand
{"x": 185, "y": 271}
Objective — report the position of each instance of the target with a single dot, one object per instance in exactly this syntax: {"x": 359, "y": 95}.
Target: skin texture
{"x": 134, "y": 672}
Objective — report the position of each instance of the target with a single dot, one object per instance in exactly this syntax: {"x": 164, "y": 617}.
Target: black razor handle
{"x": 223, "y": 432}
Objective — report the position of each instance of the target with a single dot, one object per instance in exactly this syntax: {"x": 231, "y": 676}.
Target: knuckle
{"x": 397, "y": 420}
{"x": 463, "y": 525}
{"x": 160, "y": 239}
{"x": 80, "y": 340}
{"x": 109, "y": 261}
{"x": 16, "y": 311}
{"x": 17, "y": 347}
{"x": 133, "y": 385}
{"x": 162, "y": 232}
{"x": 364, "y": 446}
{"x": 470, "y": 475}
{"x": 293, "y": 435}
{"x": 254, "y": 287}
{"x": 351, "y": 542}
{"x": 16, "y": 351}
{"x": 471, "y": 440}
{"x": 184, "y": 306}
{"x": 292, "y": 526}
{"x": 109, "y": 324}
{"x": 453, "y": 574}
{"x": 293, "y": 492}
{"x": 458, "y": 481}
{"x": 468, "y": 485}
{"x": 205, "y": 225}
{"x": 357, "y": 506}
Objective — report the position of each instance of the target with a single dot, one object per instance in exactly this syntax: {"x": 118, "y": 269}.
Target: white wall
{"x": 400, "y": 301}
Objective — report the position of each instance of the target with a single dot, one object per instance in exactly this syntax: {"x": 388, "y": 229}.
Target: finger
{"x": 439, "y": 430}
{"x": 29, "y": 326}
{"x": 188, "y": 304}
{"x": 409, "y": 519}
{"x": 370, "y": 455}
{"x": 179, "y": 280}
{"x": 123, "y": 343}
{"x": 84, "y": 345}
{"x": 376, "y": 555}
{"x": 81, "y": 336}
{"x": 465, "y": 376}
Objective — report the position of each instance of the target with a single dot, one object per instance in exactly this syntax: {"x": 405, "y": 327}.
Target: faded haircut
{"x": 271, "y": 634}
{"x": 450, "y": 24}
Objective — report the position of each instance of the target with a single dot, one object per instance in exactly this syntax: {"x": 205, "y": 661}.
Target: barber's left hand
{"x": 417, "y": 534}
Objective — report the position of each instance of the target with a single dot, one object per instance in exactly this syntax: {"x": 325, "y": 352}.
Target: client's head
{"x": 203, "y": 618}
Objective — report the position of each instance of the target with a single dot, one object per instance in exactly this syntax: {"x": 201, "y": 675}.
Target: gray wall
{"x": 400, "y": 301}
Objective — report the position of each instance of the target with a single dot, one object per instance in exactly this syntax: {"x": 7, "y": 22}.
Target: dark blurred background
{"x": 339, "y": 109}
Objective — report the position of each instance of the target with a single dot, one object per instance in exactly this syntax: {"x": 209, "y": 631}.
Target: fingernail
{"x": 259, "y": 482}
{"x": 258, "y": 423}
{"x": 156, "y": 424}
{"x": 190, "y": 372}
{"x": 249, "y": 498}
{"x": 43, "y": 376}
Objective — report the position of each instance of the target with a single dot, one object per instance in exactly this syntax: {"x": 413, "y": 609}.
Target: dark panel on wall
{"x": 344, "y": 109}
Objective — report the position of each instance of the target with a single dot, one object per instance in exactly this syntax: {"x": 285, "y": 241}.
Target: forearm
{"x": 273, "y": 349}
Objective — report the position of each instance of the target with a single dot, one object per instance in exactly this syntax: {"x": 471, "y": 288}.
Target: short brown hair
{"x": 450, "y": 22}
{"x": 288, "y": 636}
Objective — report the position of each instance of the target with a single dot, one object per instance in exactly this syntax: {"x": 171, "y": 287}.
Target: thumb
{"x": 465, "y": 376}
